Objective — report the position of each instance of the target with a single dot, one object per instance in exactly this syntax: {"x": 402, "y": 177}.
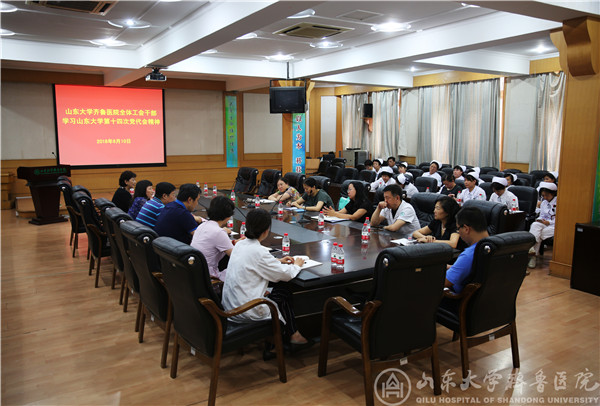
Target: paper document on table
{"x": 263, "y": 201}
{"x": 308, "y": 263}
{"x": 233, "y": 233}
{"x": 403, "y": 241}
{"x": 329, "y": 219}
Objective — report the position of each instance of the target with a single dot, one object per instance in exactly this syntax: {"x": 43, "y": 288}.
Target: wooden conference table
{"x": 314, "y": 285}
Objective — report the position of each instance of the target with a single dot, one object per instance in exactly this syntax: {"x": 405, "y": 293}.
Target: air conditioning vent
{"x": 89, "y": 7}
{"x": 312, "y": 31}
{"x": 360, "y": 15}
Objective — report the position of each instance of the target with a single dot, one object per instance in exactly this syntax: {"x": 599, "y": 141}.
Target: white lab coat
{"x": 251, "y": 268}
{"x": 477, "y": 194}
{"x": 435, "y": 176}
{"x": 379, "y": 183}
{"x": 506, "y": 198}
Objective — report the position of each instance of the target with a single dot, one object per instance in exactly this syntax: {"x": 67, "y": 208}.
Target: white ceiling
{"x": 498, "y": 37}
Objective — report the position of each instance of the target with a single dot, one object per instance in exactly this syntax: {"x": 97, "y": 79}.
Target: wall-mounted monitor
{"x": 109, "y": 126}
{"x": 287, "y": 99}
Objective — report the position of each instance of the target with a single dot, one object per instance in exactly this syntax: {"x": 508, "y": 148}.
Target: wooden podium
{"x": 44, "y": 191}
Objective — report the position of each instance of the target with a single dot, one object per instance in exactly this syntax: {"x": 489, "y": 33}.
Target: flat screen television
{"x": 290, "y": 99}
{"x": 109, "y": 126}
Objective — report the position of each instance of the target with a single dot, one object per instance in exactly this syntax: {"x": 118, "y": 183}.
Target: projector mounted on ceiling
{"x": 155, "y": 76}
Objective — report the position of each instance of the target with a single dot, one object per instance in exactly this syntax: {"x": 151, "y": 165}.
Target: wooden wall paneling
{"x": 450, "y": 77}
{"x": 515, "y": 165}
{"x": 544, "y": 65}
{"x": 579, "y": 46}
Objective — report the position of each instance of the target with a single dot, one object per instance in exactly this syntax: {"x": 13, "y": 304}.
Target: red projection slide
{"x": 109, "y": 126}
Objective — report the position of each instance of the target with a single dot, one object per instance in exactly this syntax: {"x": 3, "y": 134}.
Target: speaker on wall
{"x": 367, "y": 110}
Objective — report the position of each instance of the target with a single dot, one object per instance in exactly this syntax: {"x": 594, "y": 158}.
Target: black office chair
{"x": 460, "y": 183}
{"x": 447, "y": 170}
{"x": 488, "y": 300}
{"x": 97, "y": 239}
{"x": 486, "y": 169}
{"x": 485, "y": 177}
{"x": 360, "y": 167}
{"x": 328, "y": 157}
{"x": 392, "y": 324}
{"x": 344, "y": 188}
{"x": 425, "y": 164}
{"x": 323, "y": 182}
{"x": 341, "y": 162}
{"x": 495, "y": 214}
{"x": 367, "y": 176}
{"x": 79, "y": 188}
{"x": 153, "y": 295}
{"x": 536, "y": 176}
{"x": 487, "y": 188}
{"x": 411, "y": 166}
{"x": 527, "y": 202}
{"x": 334, "y": 173}
{"x": 348, "y": 173}
{"x": 104, "y": 205}
{"x": 268, "y": 182}
{"x": 511, "y": 170}
{"x": 77, "y": 225}
{"x": 422, "y": 183}
{"x": 416, "y": 173}
{"x": 496, "y": 173}
{"x": 424, "y": 203}
{"x": 323, "y": 165}
{"x": 245, "y": 182}
{"x": 199, "y": 318}
{"x": 296, "y": 180}
{"x": 524, "y": 179}
{"x": 64, "y": 178}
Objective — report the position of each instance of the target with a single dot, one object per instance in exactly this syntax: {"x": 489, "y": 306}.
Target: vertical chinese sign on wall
{"x": 299, "y": 142}
{"x": 231, "y": 130}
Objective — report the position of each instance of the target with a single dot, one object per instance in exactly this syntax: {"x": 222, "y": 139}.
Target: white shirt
{"x": 250, "y": 269}
{"x": 548, "y": 210}
{"x": 379, "y": 183}
{"x": 506, "y": 198}
{"x": 436, "y": 176}
{"x": 410, "y": 190}
{"x": 477, "y": 194}
{"x": 405, "y": 213}
{"x": 460, "y": 178}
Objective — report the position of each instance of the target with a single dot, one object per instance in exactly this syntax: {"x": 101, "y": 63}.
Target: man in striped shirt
{"x": 165, "y": 193}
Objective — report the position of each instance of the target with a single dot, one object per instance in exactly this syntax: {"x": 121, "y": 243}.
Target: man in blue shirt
{"x": 472, "y": 227}
{"x": 165, "y": 193}
{"x": 176, "y": 219}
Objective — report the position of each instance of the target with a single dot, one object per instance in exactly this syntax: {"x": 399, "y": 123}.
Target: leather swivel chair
{"x": 323, "y": 165}
{"x": 485, "y": 177}
{"x": 488, "y": 300}
{"x": 349, "y": 174}
{"x": 389, "y": 323}
{"x": 153, "y": 295}
{"x": 422, "y": 183}
{"x": 245, "y": 182}
{"x": 486, "y": 169}
{"x": 268, "y": 182}
{"x": 97, "y": 238}
{"x": 360, "y": 167}
{"x": 447, "y": 170}
{"x": 496, "y": 173}
{"x": 487, "y": 188}
{"x": 495, "y": 214}
{"x": 296, "y": 180}
{"x": 367, "y": 176}
{"x": 527, "y": 202}
{"x": 416, "y": 172}
{"x": 334, "y": 173}
{"x": 109, "y": 228}
{"x": 344, "y": 188}
{"x": 511, "y": 170}
{"x": 323, "y": 182}
{"x": 536, "y": 177}
{"x": 525, "y": 179}
{"x": 77, "y": 225}
{"x": 198, "y": 317}
{"x": 424, "y": 203}
{"x": 341, "y": 162}
{"x": 102, "y": 204}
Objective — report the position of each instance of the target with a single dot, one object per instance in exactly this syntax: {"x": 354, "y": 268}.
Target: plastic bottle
{"x": 340, "y": 257}
{"x": 365, "y": 233}
{"x": 256, "y": 202}
{"x": 132, "y": 191}
{"x": 230, "y": 223}
{"x": 459, "y": 199}
{"x": 280, "y": 209}
{"x": 214, "y": 190}
{"x": 514, "y": 206}
{"x": 243, "y": 228}
{"x": 232, "y": 197}
{"x": 285, "y": 244}
{"x": 205, "y": 189}
{"x": 481, "y": 196}
{"x": 427, "y": 190}
{"x": 321, "y": 221}
{"x": 198, "y": 184}
{"x": 368, "y": 221}
{"x": 334, "y": 250}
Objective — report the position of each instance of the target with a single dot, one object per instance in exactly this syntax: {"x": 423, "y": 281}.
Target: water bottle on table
{"x": 285, "y": 244}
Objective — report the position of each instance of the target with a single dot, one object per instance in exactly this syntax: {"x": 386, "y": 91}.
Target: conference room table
{"x": 312, "y": 286}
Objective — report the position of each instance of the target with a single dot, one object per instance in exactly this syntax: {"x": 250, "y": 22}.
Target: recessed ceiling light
{"x": 6, "y": 33}
{"x": 390, "y": 27}
{"x": 250, "y": 35}
{"x": 280, "y": 57}
{"x": 7, "y": 8}
{"x": 326, "y": 44}
{"x": 469, "y": 5}
{"x": 129, "y": 23}
{"x": 303, "y": 14}
{"x": 209, "y": 51}
{"x": 540, "y": 49}
{"x": 108, "y": 42}
{"x": 412, "y": 69}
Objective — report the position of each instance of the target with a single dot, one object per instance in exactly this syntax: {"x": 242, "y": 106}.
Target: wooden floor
{"x": 66, "y": 343}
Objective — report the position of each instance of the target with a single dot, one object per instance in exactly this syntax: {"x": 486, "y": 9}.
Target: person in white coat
{"x": 406, "y": 185}
{"x": 502, "y": 195}
{"x": 251, "y": 268}
{"x": 384, "y": 180}
{"x": 434, "y": 167}
{"x": 543, "y": 227}
{"x": 471, "y": 190}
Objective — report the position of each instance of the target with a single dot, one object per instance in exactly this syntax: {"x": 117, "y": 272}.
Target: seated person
{"x": 551, "y": 177}
{"x": 313, "y": 199}
{"x": 385, "y": 179}
{"x": 543, "y": 227}
{"x": 501, "y": 194}
{"x": 251, "y": 268}
{"x": 122, "y": 197}
{"x": 442, "y": 228}
{"x": 511, "y": 178}
{"x": 399, "y": 215}
{"x": 211, "y": 237}
{"x": 285, "y": 193}
{"x": 176, "y": 219}
{"x": 450, "y": 188}
{"x": 434, "y": 167}
{"x": 391, "y": 161}
{"x": 377, "y": 166}
{"x": 143, "y": 193}
{"x": 369, "y": 165}
{"x": 472, "y": 227}
{"x": 165, "y": 193}
{"x": 402, "y": 167}
{"x": 405, "y": 184}
{"x": 458, "y": 172}
{"x": 471, "y": 190}
{"x": 358, "y": 208}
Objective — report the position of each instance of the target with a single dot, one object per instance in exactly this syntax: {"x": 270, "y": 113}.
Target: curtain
{"x": 545, "y": 153}
{"x": 354, "y": 129}
{"x": 384, "y": 140}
